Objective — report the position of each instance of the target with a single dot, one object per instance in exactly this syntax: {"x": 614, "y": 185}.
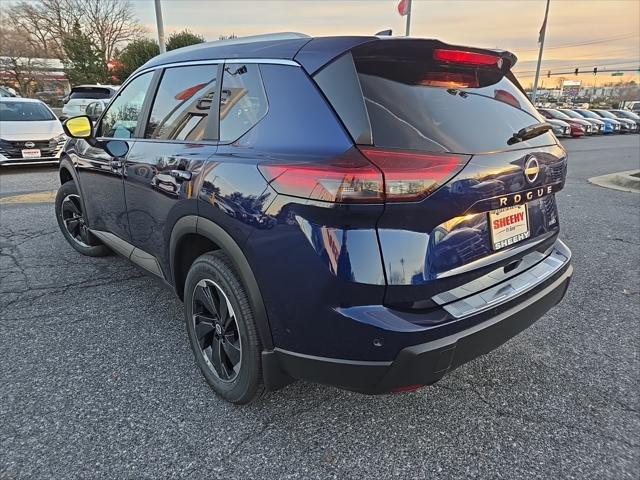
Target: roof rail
{"x": 259, "y": 38}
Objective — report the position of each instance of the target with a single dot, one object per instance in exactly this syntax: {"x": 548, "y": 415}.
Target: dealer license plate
{"x": 31, "y": 153}
{"x": 508, "y": 226}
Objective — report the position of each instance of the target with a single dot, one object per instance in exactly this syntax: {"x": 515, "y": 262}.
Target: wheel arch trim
{"x": 192, "y": 224}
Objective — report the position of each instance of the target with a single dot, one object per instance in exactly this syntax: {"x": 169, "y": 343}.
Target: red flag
{"x": 403, "y": 7}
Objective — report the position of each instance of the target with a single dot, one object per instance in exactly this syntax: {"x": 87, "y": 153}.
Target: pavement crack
{"x": 270, "y": 422}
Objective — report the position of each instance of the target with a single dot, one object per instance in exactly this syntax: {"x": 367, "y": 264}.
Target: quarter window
{"x": 243, "y": 101}
{"x": 182, "y": 104}
{"x": 121, "y": 118}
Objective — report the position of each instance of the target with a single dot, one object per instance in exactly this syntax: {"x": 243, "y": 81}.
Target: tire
{"x": 212, "y": 288}
{"x": 72, "y": 222}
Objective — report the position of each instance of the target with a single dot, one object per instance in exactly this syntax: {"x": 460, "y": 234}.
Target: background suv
{"x": 75, "y": 103}
{"x": 364, "y": 212}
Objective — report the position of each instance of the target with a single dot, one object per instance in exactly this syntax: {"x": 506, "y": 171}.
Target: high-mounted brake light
{"x": 465, "y": 57}
{"x": 410, "y": 175}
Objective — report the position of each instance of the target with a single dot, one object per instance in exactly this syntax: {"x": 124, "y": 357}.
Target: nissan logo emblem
{"x": 531, "y": 169}
{"x": 29, "y": 144}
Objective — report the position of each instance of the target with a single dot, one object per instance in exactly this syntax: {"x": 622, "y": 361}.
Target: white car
{"x": 76, "y": 102}
{"x": 29, "y": 132}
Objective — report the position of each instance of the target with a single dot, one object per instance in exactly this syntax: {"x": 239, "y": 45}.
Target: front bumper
{"x": 425, "y": 363}
{"x": 10, "y": 162}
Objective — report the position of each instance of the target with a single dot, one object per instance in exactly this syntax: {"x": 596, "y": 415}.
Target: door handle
{"x": 180, "y": 175}
{"x": 115, "y": 164}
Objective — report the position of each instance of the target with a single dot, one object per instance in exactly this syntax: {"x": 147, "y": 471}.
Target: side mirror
{"x": 78, "y": 127}
{"x": 94, "y": 110}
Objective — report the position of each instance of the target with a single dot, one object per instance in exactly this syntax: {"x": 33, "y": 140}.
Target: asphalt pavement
{"x": 98, "y": 381}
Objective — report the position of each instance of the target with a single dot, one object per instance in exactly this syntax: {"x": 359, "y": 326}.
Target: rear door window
{"x": 414, "y": 104}
{"x": 181, "y": 107}
{"x": 243, "y": 102}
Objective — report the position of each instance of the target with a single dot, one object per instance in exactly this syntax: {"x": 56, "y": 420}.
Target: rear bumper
{"x": 425, "y": 363}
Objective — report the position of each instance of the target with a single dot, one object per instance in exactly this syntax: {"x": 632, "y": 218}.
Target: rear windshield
{"x": 95, "y": 93}
{"x": 24, "y": 112}
{"x": 415, "y": 104}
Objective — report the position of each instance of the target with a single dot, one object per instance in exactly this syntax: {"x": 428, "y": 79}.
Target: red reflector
{"x": 407, "y": 388}
{"x": 344, "y": 181}
{"x": 469, "y": 58}
{"x": 410, "y": 175}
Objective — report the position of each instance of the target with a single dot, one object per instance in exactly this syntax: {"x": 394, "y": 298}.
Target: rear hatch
{"x": 80, "y": 97}
{"x": 464, "y": 197}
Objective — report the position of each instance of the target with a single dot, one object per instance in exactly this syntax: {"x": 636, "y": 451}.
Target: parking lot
{"x": 98, "y": 379}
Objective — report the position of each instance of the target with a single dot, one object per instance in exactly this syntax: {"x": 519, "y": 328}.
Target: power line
{"x": 583, "y": 65}
{"x": 580, "y": 44}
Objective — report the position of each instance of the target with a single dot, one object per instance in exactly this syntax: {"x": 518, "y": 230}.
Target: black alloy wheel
{"x": 216, "y": 328}
{"x": 73, "y": 222}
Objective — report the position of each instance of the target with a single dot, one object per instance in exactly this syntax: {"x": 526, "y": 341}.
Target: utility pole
{"x": 408, "y": 30}
{"x": 160, "y": 26}
{"x": 543, "y": 32}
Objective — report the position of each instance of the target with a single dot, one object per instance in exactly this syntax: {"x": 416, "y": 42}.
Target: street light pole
{"x": 543, "y": 32}
{"x": 160, "y": 26}
{"x": 408, "y": 29}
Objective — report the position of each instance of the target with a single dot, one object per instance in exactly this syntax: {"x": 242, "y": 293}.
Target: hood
{"x": 556, "y": 121}
{"x": 595, "y": 121}
{"x": 44, "y": 130}
{"x": 580, "y": 121}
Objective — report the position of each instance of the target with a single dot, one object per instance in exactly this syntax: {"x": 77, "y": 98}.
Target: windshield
{"x": 559, "y": 114}
{"x": 587, "y": 113}
{"x": 606, "y": 114}
{"x": 624, "y": 114}
{"x": 571, "y": 113}
{"x": 24, "y": 112}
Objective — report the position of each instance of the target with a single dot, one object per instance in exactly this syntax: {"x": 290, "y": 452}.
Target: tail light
{"x": 411, "y": 176}
{"x": 388, "y": 175}
{"x": 344, "y": 180}
{"x": 466, "y": 57}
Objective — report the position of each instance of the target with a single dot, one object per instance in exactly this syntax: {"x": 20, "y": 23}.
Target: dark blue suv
{"x": 364, "y": 212}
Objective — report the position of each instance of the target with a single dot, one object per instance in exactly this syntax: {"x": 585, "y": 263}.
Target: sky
{"x": 580, "y": 33}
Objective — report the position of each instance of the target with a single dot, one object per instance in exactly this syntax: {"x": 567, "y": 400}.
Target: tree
{"x": 135, "y": 55}
{"x": 108, "y": 23}
{"x": 183, "y": 39}
{"x": 111, "y": 23}
{"x": 83, "y": 62}
{"x": 22, "y": 60}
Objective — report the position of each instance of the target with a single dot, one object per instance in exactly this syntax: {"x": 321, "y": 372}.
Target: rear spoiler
{"x": 318, "y": 52}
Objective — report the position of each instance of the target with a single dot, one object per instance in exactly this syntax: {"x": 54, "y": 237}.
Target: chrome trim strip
{"x": 216, "y": 61}
{"x": 270, "y": 61}
{"x": 513, "y": 287}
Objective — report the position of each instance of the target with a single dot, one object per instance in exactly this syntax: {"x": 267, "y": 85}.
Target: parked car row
{"x": 576, "y": 122}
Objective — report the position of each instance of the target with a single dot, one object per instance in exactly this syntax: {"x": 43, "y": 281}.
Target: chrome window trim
{"x": 266, "y": 61}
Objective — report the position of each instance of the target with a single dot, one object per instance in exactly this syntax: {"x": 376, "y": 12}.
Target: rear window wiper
{"x": 529, "y": 132}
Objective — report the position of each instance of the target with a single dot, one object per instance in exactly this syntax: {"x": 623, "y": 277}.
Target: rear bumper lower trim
{"x": 427, "y": 363}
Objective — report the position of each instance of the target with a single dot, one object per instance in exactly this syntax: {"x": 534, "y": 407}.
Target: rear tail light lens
{"x": 411, "y": 176}
{"x": 344, "y": 181}
{"x": 465, "y": 57}
{"x": 388, "y": 175}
